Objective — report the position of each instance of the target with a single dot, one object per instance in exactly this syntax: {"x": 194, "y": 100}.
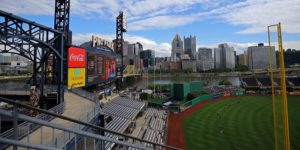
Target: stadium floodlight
{"x": 124, "y": 20}
{"x": 285, "y": 121}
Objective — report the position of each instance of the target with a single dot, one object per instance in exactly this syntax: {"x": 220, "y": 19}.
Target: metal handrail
{"x": 10, "y": 133}
{"x": 58, "y": 109}
{"x": 84, "y": 123}
{"x": 90, "y": 115}
{"x": 66, "y": 129}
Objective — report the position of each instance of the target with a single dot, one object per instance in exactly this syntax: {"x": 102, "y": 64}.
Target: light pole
{"x": 154, "y": 69}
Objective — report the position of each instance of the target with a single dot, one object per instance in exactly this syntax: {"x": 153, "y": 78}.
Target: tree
{"x": 144, "y": 96}
{"x": 241, "y": 68}
{"x": 225, "y": 82}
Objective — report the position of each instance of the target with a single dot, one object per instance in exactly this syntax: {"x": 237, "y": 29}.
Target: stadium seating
{"x": 154, "y": 112}
{"x": 129, "y": 103}
{"x": 157, "y": 124}
{"x": 117, "y": 124}
{"x": 249, "y": 81}
{"x": 264, "y": 81}
{"x": 295, "y": 81}
{"x": 120, "y": 111}
{"x": 124, "y": 111}
{"x": 153, "y": 136}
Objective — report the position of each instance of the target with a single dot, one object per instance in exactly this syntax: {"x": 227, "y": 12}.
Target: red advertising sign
{"x": 76, "y": 57}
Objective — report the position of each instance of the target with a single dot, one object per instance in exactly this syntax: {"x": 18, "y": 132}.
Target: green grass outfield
{"x": 239, "y": 123}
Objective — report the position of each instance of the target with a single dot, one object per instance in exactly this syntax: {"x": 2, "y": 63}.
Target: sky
{"x": 154, "y": 23}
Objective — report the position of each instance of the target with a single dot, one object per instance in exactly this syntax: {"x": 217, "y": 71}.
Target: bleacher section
{"x": 264, "y": 81}
{"x": 154, "y": 112}
{"x": 156, "y": 123}
{"x": 249, "y": 81}
{"x": 295, "y": 81}
{"x": 129, "y": 103}
{"x": 124, "y": 112}
{"x": 117, "y": 124}
{"x": 120, "y": 111}
{"x": 153, "y": 136}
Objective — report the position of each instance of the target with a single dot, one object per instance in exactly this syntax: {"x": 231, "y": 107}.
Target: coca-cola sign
{"x": 76, "y": 57}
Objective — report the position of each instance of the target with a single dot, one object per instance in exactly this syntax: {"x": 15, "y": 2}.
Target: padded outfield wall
{"x": 181, "y": 90}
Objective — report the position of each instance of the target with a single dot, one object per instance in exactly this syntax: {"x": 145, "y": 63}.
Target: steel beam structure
{"x": 34, "y": 42}
{"x": 61, "y": 23}
{"x": 119, "y": 48}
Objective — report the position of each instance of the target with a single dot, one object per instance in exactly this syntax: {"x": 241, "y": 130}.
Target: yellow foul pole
{"x": 283, "y": 92}
{"x": 273, "y": 92}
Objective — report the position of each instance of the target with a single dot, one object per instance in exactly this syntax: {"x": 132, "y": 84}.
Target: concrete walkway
{"x": 75, "y": 107}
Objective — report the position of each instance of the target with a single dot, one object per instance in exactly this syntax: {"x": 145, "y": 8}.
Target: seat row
{"x": 117, "y": 124}
{"x": 120, "y": 111}
{"x": 156, "y": 113}
{"x": 129, "y": 103}
{"x": 153, "y": 136}
{"x": 157, "y": 124}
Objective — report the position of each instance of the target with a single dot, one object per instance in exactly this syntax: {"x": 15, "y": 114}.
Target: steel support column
{"x": 119, "y": 48}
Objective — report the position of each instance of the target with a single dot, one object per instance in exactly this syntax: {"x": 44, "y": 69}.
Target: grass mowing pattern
{"x": 239, "y": 123}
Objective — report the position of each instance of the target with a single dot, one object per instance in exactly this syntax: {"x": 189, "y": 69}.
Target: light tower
{"x": 121, "y": 27}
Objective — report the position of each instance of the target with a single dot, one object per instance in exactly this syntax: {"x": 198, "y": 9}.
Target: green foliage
{"x": 189, "y": 70}
{"x": 225, "y": 82}
{"x": 144, "y": 96}
{"x": 159, "y": 86}
{"x": 219, "y": 70}
{"x": 241, "y": 68}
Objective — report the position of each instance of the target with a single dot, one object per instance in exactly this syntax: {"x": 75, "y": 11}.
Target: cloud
{"x": 161, "y": 49}
{"x": 252, "y": 15}
{"x": 256, "y": 15}
{"x": 160, "y": 22}
{"x": 28, "y": 7}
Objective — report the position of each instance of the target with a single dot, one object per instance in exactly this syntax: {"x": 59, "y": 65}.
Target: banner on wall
{"x": 76, "y": 77}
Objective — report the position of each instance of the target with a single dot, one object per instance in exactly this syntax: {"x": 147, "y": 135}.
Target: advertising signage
{"x": 110, "y": 69}
{"x": 95, "y": 68}
{"x": 76, "y": 77}
{"x": 76, "y": 57}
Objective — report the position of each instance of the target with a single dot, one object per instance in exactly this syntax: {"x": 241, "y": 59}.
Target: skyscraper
{"x": 148, "y": 58}
{"x": 224, "y": 56}
{"x": 132, "y": 56}
{"x": 190, "y": 46}
{"x": 258, "y": 57}
{"x": 204, "y": 59}
{"x": 177, "y": 48}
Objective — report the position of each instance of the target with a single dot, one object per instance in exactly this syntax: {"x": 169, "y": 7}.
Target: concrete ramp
{"x": 75, "y": 107}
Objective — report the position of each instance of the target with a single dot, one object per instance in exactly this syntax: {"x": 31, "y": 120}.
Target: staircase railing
{"x": 23, "y": 127}
{"x": 93, "y": 127}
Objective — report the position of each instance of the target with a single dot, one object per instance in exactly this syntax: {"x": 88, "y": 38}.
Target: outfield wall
{"x": 202, "y": 98}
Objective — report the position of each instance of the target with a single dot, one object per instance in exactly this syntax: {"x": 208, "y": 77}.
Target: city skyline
{"x": 154, "y": 24}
